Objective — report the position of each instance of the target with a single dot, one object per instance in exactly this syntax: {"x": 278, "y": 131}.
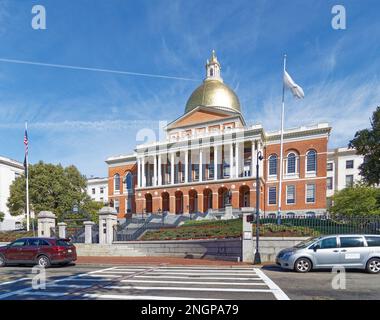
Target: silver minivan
{"x": 350, "y": 251}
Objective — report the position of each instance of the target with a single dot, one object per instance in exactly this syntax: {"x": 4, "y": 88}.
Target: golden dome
{"x": 213, "y": 92}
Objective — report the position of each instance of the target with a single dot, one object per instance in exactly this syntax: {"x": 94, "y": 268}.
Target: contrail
{"x": 62, "y": 66}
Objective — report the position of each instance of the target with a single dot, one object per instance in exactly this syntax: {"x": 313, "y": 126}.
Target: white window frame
{"x": 114, "y": 184}
{"x": 292, "y": 175}
{"x": 314, "y": 172}
{"x": 332, "y": 183}
{"x": 294, "y": 195}
{"x": 315, "y": 192}
{"x": 269, "y": 188}
{"x": 272, "y": 176}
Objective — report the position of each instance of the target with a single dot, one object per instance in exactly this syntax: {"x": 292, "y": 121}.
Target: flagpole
{"x": 281, "y": 147}
{"x": 27, "y": 182}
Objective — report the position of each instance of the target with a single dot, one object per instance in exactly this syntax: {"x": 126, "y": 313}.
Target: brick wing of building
{"x": 210, "y": 150}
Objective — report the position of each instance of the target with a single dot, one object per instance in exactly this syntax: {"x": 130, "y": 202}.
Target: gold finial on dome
{"x": 213, "y": 68}
{"x": 213, "y": 92}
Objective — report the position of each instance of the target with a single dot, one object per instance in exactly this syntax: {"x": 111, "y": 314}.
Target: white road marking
{"x": 118, "y": 272}
{"x": 212, "y": 271}
{"x": 187, "y": 289}
{"x": 14, "y": 281}
{"x": 278, "y": 293}
{"x": 197, "y": 282}
{"x": 77, "y": 286}
{"x": 200, "y": 278}
{"x": 100, "y": 275}
{"x": 198, "y": 274}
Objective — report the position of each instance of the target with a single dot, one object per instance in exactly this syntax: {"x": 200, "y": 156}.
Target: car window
{"x": 18, "y": 243}
{"x": 328, "y": 243}
{"x": 63, "y": 243}
{"x": 373, "y": 241}
{"x": 32, "y": 242}
{"x": 43, "y": 242}
{"x": 351, "y": 242}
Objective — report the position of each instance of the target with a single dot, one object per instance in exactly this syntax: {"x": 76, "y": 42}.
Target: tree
{"x": 2, "y": 216}
{"x": 367, "y": 143}
{"x": 51, "y": 187}
{"x": 358, "y": 200}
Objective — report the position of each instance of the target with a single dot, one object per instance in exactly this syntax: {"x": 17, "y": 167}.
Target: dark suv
{"x": 41, "y": 251}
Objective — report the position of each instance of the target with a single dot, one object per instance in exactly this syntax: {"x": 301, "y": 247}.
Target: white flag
{"x": 294, "y": 87}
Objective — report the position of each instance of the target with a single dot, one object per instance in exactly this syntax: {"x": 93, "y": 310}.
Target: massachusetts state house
{"x": 210, "y": 150}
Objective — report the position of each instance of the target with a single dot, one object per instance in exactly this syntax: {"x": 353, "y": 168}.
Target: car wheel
{"x": 43, "y": 261}
{"x": 302, "y": 265}
{"x": 2, "y": 261}
{"x": 373, "y": 265}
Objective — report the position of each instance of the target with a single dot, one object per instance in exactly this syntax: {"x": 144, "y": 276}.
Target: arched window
{"x": 116, "y": 182}
{"x": 292, "y": 167}
{"x": 273, "y": 165}
{"x": 128, "y": 181}
{"x": 211, "y": 72}
{"x": 311, "y": 161}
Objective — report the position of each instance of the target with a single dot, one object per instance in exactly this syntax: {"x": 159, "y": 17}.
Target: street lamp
{"x": 257, "y": 259}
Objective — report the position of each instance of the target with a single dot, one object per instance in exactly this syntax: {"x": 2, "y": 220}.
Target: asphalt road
{"x": 182, "y": 282}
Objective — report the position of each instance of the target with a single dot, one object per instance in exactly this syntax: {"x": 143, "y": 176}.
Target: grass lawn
{"x": 221, "y": 229}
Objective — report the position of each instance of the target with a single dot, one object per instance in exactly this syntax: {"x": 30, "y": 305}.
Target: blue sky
{"x": 82, "y": 117}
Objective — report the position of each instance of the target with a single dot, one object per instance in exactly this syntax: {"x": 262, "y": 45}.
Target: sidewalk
{"x": 156, "y": 260}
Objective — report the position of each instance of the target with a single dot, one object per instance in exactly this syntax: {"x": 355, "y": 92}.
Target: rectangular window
{"x": 272, "y": 195}
{"x": 329, "y": 183}
{"x": 101, "y": 190}
{"x": 349, "y": 164}
{"x": 330, "y": 166}
{"x": 373, "y": 241}
{"x": 93, "y": 190}
{"x": 211, "y": 171}
{"x": 351, "y": 242}
{"x": 310, "y": 193}
{"x": 349, "y": 180}
{"x": 291, "y": 194}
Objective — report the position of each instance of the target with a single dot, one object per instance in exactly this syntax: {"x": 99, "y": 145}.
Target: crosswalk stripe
{"x": 196, "y": 282}
{"x": 13, "y": 281}
{"x": 278, "y": 293}
{"x": 201, "y": 278}
{"x": 188, "y": 289}
{"x": 198, "y": 274}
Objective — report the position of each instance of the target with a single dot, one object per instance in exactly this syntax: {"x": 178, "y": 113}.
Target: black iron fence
{"x": 315, "y": 226}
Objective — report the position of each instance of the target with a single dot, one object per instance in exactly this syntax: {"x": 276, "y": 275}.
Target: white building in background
{"x": 342, "y": 169}
{"x": 9, "y": 171}
{"x": 97, "y": 189}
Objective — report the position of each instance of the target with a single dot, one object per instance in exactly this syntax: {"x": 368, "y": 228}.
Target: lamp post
{"x": 257, "y": 259}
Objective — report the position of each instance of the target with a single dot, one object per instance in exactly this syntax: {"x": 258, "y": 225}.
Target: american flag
{"x": 26, "y": 142}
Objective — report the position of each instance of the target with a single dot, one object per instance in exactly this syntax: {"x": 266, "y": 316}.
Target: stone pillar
{"x": 247, "y": 245}
{"x": 215, "y": 200}
{"x": 200, "y": 202}
{"x": 46, "y": 221}
{"x": 88, "y": 231}
{"x": 237, "y": 150}
{"x": 62, "y": 229}
{"x": 138, "y": 172}
{"x": 172, "y": 168}
{"x": 231, "y": 161}
{"x": 143, "y": 181}
{"x": 186, "y": 204}
{"x": 155, "y": 171}
{"x": 216, "y": 163}
{"x": 159, "y": 170}
{"x": 200, "y": 165}
{"x": 172, "y": 204}
{"x": 107, "y": 221}
{"x": 186, "y": 166}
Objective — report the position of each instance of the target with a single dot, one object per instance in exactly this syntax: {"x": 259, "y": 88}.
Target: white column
{"x": 237, "y": 149}
{"x": 253, "y": 159}
{"x": 159, "y": 170}
{"x": 143, "y": 172}
{"x": 200, "y": 165}
{"x": 155, "y": 170}
{"x": 186, "y": 166}
{"x": 172, "y": 168}
{"x": 231, "y": 161}
{"x": 138, "y": 172}
{"x": 215, "y": 162}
